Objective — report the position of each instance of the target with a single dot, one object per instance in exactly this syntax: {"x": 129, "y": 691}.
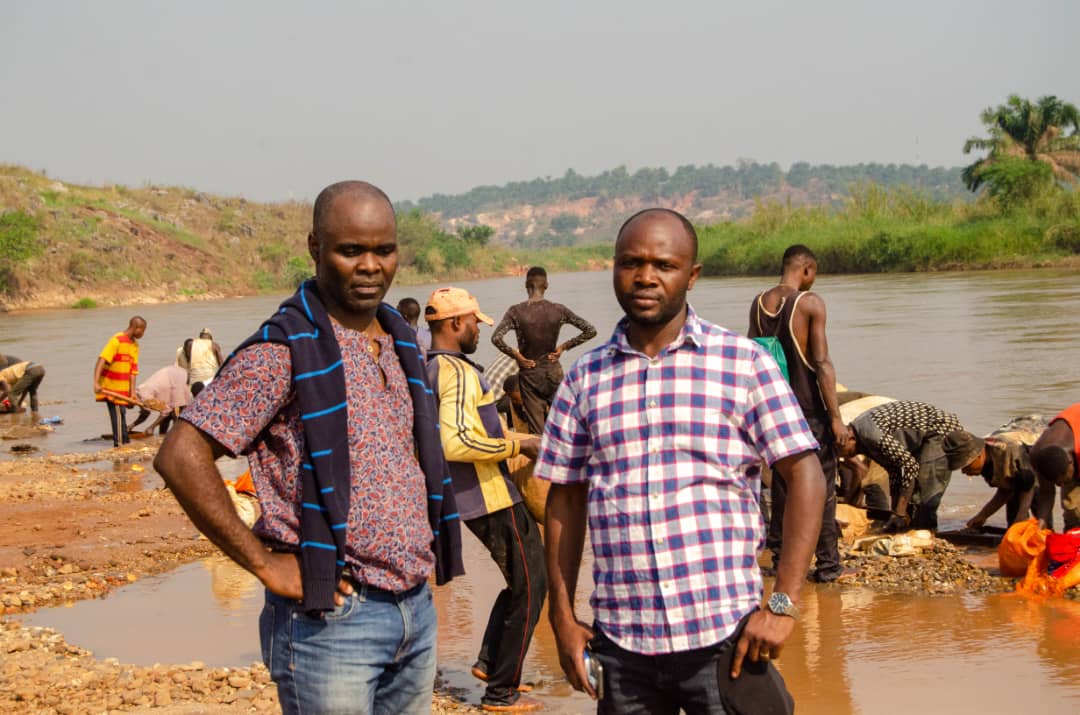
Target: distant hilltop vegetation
{"x": 66, "y": 245}
{"x": 577, "y": 209}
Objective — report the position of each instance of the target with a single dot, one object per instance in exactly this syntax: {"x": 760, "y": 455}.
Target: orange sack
{"x": 1056, "y": 569}
{"x": 1022, "y": 543}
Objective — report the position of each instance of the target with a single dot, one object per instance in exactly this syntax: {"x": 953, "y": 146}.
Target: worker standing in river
{"x": 115, "y": 374}
{"x": 536, "y": 323}
{"x": 795, "y": 316}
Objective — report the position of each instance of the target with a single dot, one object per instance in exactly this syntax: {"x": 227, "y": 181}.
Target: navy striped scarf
{"x": 303, "y": 325}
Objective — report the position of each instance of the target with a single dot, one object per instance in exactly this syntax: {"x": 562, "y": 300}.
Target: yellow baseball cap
{"x": 451, "y": 302}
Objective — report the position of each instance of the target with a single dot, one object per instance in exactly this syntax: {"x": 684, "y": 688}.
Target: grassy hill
{"x": 63, "y": 245}
{"x": 67, "y": 245}
{"x": 574, "y": 209}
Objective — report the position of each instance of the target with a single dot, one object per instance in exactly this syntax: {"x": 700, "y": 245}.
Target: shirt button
{"x": 652, "y": 404}
{"x": 660, "y": 541}
{"x": 655, "y": 498}
{"x": 665, "y": 585}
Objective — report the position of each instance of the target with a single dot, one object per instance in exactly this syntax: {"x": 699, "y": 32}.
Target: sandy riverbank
{"x": 80, "y": 525}
{"x": 75, "y": 530}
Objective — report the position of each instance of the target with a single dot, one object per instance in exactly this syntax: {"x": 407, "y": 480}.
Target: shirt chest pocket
{"x": 698, "y": 431}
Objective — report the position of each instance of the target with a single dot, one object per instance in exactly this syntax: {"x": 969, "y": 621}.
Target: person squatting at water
{"x": 19, "y": 378}
{"x": 656, "y": 438}
{"x": 476, "y": 449}
{"x": 166, "y": 391}
{"x": 919, "y": 446}
{"x": 1005, "y": 464}
{"x": 114, "y": 376}
{"x": 1056, "y": 458}
{"x": 329, "y": 400}
{"x": 536, "y": 323}
{"x": 796, "y": 317}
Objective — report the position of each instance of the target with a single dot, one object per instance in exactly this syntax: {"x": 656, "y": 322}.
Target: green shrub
{"x": 84, "y": 303}
{"x": 264, "y": 281}
{"x": 18, "y": 236}
{"x": 1065, "y": 237}
{"x": 84, "y": 265}
{"x": 297, "y": 270}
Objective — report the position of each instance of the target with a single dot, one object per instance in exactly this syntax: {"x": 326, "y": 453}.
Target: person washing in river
{"x": 536, "y": 324}
{"x": 1056, "y": 458}
{"x": 796, "y": 317}
{"x": 1005, "y": 464}
{"x": 919, "y": 446}
{"x": 167, "y": 392}
{"x": 114, "y": 376}
{"x": 17, "y": 380}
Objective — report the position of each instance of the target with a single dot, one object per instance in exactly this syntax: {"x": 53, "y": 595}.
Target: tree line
{"x": 746, "y": 180}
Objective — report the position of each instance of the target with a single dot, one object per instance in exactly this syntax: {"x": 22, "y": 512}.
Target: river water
{"x": 986, "y": 345}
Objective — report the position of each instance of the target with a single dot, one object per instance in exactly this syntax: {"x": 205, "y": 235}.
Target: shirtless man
{"x": 794, "y": 315}
{"x": 536, "y": 323}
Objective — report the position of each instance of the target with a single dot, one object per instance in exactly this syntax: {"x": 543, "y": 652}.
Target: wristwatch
{"x": 780, "y": 604}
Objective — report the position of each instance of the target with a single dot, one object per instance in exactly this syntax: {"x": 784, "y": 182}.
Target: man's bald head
{"x": 360, "y": 191}
{"x": 654, "y": 214}
{"x": 136, "y": 327}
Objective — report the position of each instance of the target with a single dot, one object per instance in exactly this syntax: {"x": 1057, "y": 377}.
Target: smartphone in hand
{"x": 595, "y": 672}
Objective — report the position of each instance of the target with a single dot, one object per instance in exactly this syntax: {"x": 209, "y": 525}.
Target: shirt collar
{"x": 692, "y": 334}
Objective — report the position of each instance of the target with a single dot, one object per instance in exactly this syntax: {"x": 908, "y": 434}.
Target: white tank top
{"x": 203, "y": 363}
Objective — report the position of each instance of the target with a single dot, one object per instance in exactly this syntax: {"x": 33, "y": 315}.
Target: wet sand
{"x": 79, "y": 526}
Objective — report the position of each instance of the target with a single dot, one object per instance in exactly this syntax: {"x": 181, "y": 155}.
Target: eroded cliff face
{"x": 118, "y": 245}
{"x": 596, "y": 219}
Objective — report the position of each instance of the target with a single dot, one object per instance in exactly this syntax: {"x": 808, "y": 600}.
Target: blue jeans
{"x": 374, "y": 654}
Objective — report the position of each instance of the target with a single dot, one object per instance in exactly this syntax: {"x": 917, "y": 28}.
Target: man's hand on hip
{"x": 281, "y": 575}
{"x": 762, "y": 639}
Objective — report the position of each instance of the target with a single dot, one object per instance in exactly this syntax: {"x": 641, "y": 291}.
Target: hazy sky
{"x": 274, "y": 100}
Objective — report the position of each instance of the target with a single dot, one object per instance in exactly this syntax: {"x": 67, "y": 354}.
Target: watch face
{"x": 779, "y": 603}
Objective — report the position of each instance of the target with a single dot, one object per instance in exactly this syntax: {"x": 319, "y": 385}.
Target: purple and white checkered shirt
{"x": 670, "y": 448}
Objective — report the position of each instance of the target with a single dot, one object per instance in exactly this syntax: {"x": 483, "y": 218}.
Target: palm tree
{"x": 1035, "y": 132}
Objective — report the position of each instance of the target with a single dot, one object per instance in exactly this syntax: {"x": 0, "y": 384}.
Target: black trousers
{"x": 119, "y": 431}
{"x": 513, "y": 540}
{"x": 827, "y": 553}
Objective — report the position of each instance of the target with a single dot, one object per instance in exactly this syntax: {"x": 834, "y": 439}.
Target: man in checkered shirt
{"x": 656, "y": 439}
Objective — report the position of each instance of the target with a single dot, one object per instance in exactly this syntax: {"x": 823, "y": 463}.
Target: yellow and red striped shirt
{"x": 121, "y": 356}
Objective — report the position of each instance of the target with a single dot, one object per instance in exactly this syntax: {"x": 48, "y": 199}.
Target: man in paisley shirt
{"x": 361, "y": 639}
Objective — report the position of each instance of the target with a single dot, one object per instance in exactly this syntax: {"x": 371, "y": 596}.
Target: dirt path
{"x": 72, "y": 531}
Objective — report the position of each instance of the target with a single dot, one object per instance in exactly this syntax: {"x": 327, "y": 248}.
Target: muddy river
{"x": 987, "y": 346}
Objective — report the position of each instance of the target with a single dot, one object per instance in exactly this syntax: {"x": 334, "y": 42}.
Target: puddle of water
{"x": 854, "y": 651}
{"x": 204, "y": 611}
